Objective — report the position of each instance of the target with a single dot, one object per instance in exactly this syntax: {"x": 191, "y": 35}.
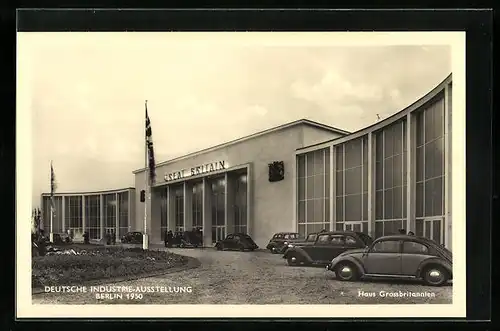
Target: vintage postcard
{"x": 230, "y": 174}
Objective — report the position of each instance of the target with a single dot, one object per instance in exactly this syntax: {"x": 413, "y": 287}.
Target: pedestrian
{"x": 170, "y": 238}
{"x": 165, "y": 237}
{"x": 113, "y": 237}
{"x": 86, "y": 238}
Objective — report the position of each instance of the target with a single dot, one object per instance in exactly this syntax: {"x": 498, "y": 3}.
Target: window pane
{"x": 405, "y": 169}
{"x": 302, "y": 188}
{"x": 340, "y": 157}
{"x": 398, "y": 138}
{"x": 319, "y": 166}
{"x": 429, "y": 125}
{"x": 326, "y": 203}
{"x": 379, "y": 174}
{"x": 301, "y": 165}
{"x": 319, "y": 210}
{"x": 365, "y": 150}
{"x": 427, "y": 230}
{"x": 339, "y": 207}
{"x": 327, "y": 182}
{"x": 319, "y": 181}
{"x": 353, "y": 208}
{"x": 438, "y": 196}
{"x": 397, "y": 200}
{"x": 302, "y": 211}
{"x": 404, "y": 201}
{"x": 397, "y": 170}
{"x": 420, "y": 164}
{"x": 365, "y": 206}
{"x": 310, "y": 211}
{"x": 365, "y": 178}
{"x": 379, "y": 205}
{"x": 379, "y": 146}
{"x": 339, "y": 226}
{"x": 379, "y": 229}
{"x": 388, "y": 142}
{"x": 340, "y": 183}
{"x": 388, "y": 204}
{"x": 419, "y": 198}
{"x": 439, "y": 118}
{"x": 310, "y": 164}
{"x": 419, "y": 228}
{"x": 388, "y": 173}
{"x": 310, "y": 187}
{"x": 429, "y": 192}
{"x": 353, "y": 153}
{"x": 420, "y": 128}
{"x": 353, "y": 181}
{"x": 438, "y": 156}
{"x": 302, "y": 230}
{"x": 429, "y": 167}
{"x": 436, "y": 231}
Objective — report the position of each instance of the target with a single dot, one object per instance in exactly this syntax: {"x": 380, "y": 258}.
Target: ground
{"x": 255, "y": 278}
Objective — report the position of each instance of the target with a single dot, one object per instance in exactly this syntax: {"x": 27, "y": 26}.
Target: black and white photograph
{"x": 247, "y": 171}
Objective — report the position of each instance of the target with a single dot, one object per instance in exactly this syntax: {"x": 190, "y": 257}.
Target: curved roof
{"x": 385, "y": 122}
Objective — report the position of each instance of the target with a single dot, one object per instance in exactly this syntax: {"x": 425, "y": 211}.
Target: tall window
{"x": 110, "y": 213}
{"x": 218, "y": 209}
{"x": 390, "y": 185}
{"x": 73, "y": 214}
{"x": 93, "y": 216}
{"x": 430, "y": 171}
{"x": 164, "y": 213}
{"x": 351, "y": 203}
{"x": 179, "y": 208}
{"x": 240, "y": 204}
{"x": 314, "y": 191}
{"x": 197, "y": 205}
{"x": 123, "y": 212}
{"x": 57, "y": 220}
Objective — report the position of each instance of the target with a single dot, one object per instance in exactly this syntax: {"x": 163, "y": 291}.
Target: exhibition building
{"x": 302, "y": 176}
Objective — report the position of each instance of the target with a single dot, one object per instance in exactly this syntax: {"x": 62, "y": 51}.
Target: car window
{"x": 324, "y": 239}
{"x": 387, "y": 246}
{"x": 229, "y": 236}
{"x": 287, "y": 236}
{"x": 237, "y": 237}
{"x": 412, "y": 247}
{"x": 337, "y": 239}
{"x": 311, "y": 237}
{"x": 351, "y": 241}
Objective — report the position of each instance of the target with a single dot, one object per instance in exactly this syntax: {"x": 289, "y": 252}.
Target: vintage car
{"x": 396, "y": 257}
{"x": 61, "y": 238}
{"x": 134, "y": 237}
{"x": 236, "y": 241}
{"x": 280, "y": 241}
{"x": 186, "y": 239}
{"x": 326, "y": 246}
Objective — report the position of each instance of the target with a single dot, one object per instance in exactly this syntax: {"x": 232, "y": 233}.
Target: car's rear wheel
{"x": 347, "y": 272}
{"x": 293, "y": 260}
{"x": 435, "y": 275}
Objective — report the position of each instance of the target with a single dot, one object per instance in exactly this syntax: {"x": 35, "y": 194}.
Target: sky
{"x": 86, "y": 95}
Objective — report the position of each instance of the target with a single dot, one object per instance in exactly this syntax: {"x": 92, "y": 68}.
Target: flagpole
{"x": 145, "y": 237}
{"x": 51, "y": 234}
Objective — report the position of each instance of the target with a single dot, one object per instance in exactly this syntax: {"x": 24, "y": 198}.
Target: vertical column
{"x": 101, "y": 215}
{"x": 411, "y": 150}
{"x": 154, "y": 224}
{"x": 371, "y": 186}
{"x": 130, "y": 209}
{"x": 188, "y": 206}
{"x": 207, "y": 213}
{"x": 249, "y": 200}
{"x": 333, "y": 187}
{"x": 229, "y": 197}
{"x": 63, "y": 215}
{"x": 170, "y": 208}
{"x": 295, "y": 195}
{"x": 117, "y": 216}
{"x": 84, "y": 215}
{"x": 447, "y": 166}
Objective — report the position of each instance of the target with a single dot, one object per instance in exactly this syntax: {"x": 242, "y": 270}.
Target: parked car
{"x": 187, "y": 239}
{"x": 326, "y": 246}
{"x": 61, "y": 238}
{"x": 310, "y": 239}
{"x": 236, "y": 241}
{"x": 134, "y": 237}
{"x": 280, "y": 241}
{"x": 396, "y": 257}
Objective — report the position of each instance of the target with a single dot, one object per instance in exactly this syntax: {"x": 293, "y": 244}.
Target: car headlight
{"x": 290, "y": 246}
{"x": 286, "y": 243}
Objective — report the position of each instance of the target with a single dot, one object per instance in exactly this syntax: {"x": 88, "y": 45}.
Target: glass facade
{"x": 57, "y": 216}
{"x": 115, "y": 213}
{"x": 163, "y": 213}
{"x": 93, "y": 216}
{"x": 218, "y": 209}
{"x": 197, "y": 205}
{"x": 123, "y": 211}
{"x": 179, "y": 208}
{"x": 73, "y": 214}
{"x": 390, "y": 184}
{"x": 430, "y": 171}
{"x": 351, "y": 182}
{"x": 240, "y": 204}
{"x": 397, "y": 182}
{"x": 313, "y": 191}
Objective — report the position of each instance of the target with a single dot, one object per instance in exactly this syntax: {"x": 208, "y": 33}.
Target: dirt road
{"x": 256, "y": 278}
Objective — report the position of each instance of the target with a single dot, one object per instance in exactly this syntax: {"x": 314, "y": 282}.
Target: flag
{"x": 150, "y": 150}
{"x": 53, "y": 185}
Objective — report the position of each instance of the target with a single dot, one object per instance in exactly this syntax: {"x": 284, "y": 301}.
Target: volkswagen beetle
{"x": 396, "y": 257}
